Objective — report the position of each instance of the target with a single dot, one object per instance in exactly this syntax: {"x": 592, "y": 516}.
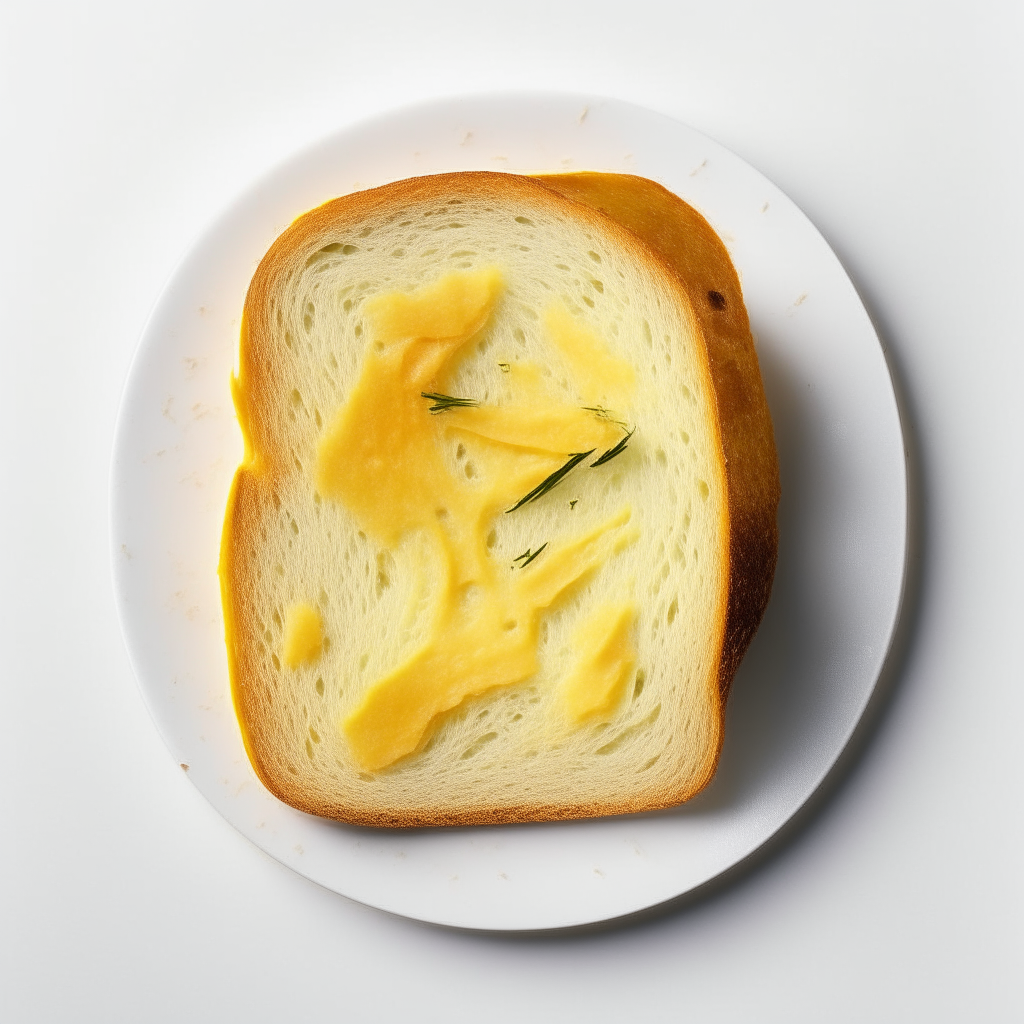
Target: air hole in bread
{"x": 612, "y": 745}
{"x": 673, "y": 610}
{"x": 276, "y": 661}
{"x": 320, "y": 686}
{"x": 598, "y": 285}
{"x": 470, "y": 470}
{"x": 638, "y": 686}
{"x": 703, "y": 490}
{"x": 594, "y": 256}
{"x": 525, "y": 220}
{"x": 479, "y": 745}
{"x": 588, "y": 300}
{"x": 492, "y": 538}
{"x": 384, "y": 565}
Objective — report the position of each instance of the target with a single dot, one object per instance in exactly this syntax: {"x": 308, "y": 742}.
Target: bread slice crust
{"x": 661, "y": 230}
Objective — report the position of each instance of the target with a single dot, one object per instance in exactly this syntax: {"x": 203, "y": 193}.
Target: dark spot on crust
{"x": 717, "y": 300}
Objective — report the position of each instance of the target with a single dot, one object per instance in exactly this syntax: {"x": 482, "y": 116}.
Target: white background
{"x": 896, "y": 127}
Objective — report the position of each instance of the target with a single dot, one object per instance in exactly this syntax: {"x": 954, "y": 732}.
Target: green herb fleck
{"x": 572, "y": 504}
{"x": 605, "y": 414}
{"x": 528, "y": 556}
{"x": 545, "y": 485}
{"x": 612, "y": 452}
{"x": 505, "y": 367}
{"x": 443, "y": 402}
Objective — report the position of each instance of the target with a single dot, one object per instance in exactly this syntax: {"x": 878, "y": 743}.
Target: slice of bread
{"x": 506, "y": 518}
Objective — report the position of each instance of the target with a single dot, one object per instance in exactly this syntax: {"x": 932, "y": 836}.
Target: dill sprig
{"x": 528, "y": 556}
{"x": 612, "y": 452}
{"x": 545, "y": 485}
{"x": 605, "y": 414}
{"x": 443, "y": 402}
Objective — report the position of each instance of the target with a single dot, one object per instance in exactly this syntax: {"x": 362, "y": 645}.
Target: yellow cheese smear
{"x": 303, "y": 635}
{"x": 382, "y": 458}
{"x": 601, "y": 376}
{"x": 596, "y": 686}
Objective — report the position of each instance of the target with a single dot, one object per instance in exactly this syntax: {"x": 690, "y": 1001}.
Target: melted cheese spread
{"x": 303, "y": 635}
{"x": 596, "y": 686}
{"x": 382, "y": 457}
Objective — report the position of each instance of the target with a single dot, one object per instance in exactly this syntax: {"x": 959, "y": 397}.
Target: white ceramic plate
{"x": 804, "y": 683}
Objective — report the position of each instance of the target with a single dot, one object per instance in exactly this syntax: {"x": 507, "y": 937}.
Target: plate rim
{"x": 308, "y": 152}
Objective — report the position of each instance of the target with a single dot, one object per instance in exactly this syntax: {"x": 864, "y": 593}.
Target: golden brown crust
{"x": 699, "y": 265}
{"x": 689, "y": 245}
